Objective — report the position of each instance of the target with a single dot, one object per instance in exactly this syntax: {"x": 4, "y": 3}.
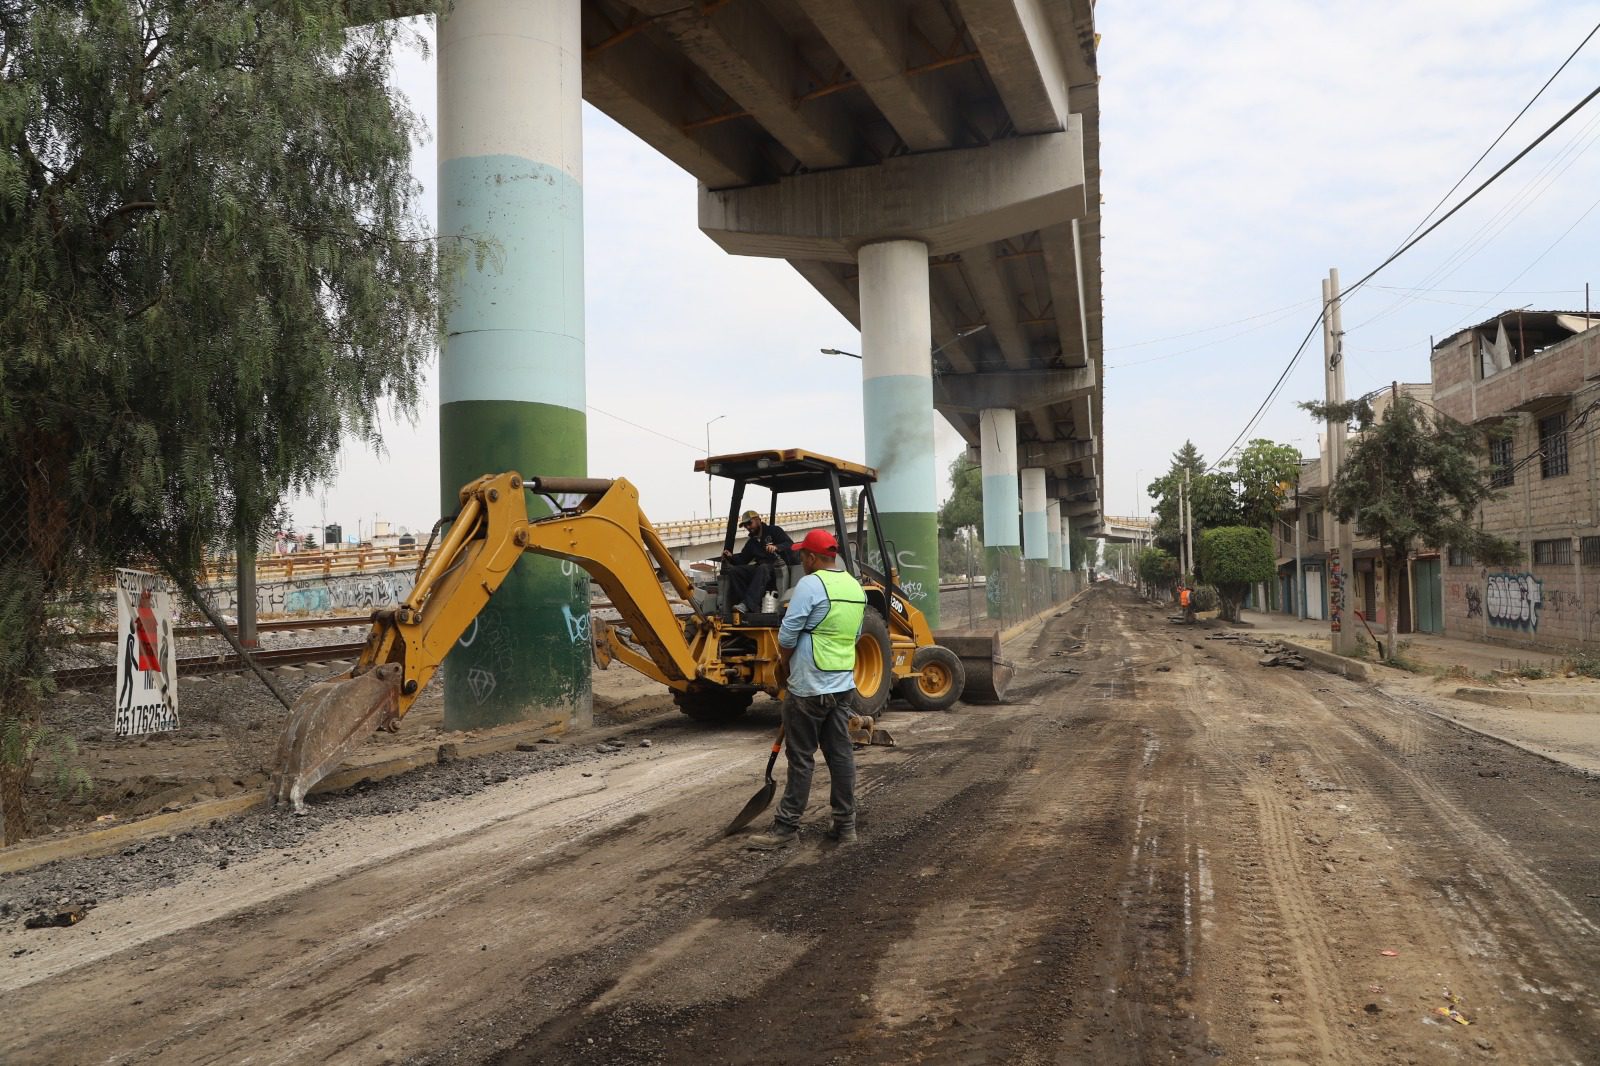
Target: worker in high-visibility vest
{"x": 1186, "y": 601}
{"x": 817, "y": 651}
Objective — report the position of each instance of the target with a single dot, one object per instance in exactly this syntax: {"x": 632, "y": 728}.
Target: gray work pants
{"x": 810, "y": 721}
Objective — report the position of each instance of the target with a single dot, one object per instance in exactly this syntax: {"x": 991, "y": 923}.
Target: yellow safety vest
{"x": 833, "y": 640}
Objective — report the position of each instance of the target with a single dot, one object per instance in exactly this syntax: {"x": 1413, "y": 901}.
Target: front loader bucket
{"x": 327, "y": 723}
{"x": 988, "y": 675}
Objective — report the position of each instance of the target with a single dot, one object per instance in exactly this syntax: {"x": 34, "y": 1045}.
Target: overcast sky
{"x": 1246, "y": 148}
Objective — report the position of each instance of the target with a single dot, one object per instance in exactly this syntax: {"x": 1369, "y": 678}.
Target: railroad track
{"x": 202, "y": 665}
{"x": 284, "y": 625}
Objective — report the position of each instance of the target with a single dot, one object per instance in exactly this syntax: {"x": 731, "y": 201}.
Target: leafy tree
{"x": 1231, "y": 559}
{"x": 1158, "y": 570}
{"x": 1083, "y": 549}
{"x": 964, "y": 507}
{"x": 212, "y": 269}
{"x": 1409, "y": 480}
{"x": 1212, "y": 501}
{"x": 1262, "y": 471}
{"x": 958, "y": 552}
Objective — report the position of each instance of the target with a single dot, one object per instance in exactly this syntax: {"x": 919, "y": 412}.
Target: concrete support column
{"x": 1035, "y": 541}
{"x": 1002, "y": 531}
{"x": 897, "y": 405}
{"x": 1052, "y": 525}
{"x": 511, "y": 369}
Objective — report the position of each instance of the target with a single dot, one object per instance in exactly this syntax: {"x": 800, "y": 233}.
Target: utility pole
{"x": 1299, "y": 567}
{"x": 1188, "y": 525}
{"x": 1183, "y": 556}
{"x": 1340, "y": 563}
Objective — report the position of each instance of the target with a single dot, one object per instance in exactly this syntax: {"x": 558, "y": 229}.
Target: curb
{"x": 92, "y": 842}
{"x": 1521, "y": 700}
{"x": 1333, "y": 664}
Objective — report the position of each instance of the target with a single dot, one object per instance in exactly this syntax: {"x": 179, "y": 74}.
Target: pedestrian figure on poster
{"x": 817, "y": 661}
{"x": 751, "y": 570}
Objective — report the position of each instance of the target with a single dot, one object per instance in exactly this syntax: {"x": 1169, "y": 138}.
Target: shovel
{"x": 762, "y": 799}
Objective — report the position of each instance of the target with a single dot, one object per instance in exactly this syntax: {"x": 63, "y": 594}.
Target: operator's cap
{"x": 744, "y": 519}
{"x": 819, "y": 541}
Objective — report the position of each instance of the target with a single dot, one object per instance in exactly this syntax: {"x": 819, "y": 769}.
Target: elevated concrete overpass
{"x": 931, "y": 167}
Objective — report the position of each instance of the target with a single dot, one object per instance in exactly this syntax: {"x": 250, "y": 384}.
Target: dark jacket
{"x": 755, "y": 547}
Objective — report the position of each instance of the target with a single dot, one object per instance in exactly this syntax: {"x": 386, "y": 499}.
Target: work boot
{"x": 778, "y": 836}
{"x": 842, "y": 834}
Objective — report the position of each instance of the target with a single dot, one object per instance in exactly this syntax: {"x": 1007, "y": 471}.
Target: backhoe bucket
{"x": 327, "y": 723}
{"x": 988, "y": 675}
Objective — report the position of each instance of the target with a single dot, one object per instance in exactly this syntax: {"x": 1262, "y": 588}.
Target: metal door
{"x": 1430, "y": 596}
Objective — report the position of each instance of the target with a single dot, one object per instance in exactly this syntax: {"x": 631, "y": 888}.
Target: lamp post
{"x": 710, "y": 513}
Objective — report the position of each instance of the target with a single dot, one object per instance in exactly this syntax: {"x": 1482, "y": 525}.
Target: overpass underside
{"x": 931, "y": 167}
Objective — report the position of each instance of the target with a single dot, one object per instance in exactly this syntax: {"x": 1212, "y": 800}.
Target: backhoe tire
{"x": 874, "y": 667}
{"x": 712, "y": 704}
{"x": 943, "y": 678}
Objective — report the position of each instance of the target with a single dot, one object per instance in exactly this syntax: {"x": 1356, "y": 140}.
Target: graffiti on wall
{"x": 1335, "y": 593}
{"x": 321, "y": 595}
{"x": 1513, "y": 601}
{"x": 1474, "y": 602}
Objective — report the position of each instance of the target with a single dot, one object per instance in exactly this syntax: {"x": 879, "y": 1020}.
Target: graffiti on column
{"x": 1335, "y": 593}
{"x": 1514, "y": 600}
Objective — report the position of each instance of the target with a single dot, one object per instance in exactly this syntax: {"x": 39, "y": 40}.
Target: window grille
{"x": 1552, "y": 552}
{"x": 1553, "y": 445}
{"x": 1460, "y": 557}
{"x": 1501, "y": 473}
{"x": 1590, "y": 548}
{"x": 1313, "y": 525}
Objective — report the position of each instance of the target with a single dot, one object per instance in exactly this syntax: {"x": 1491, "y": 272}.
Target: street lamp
{"x": 709, "y": 512}
{"x": 960, "y": 335}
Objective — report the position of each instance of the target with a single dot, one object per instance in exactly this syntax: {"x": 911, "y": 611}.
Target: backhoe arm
{"x": 605, "y": 533}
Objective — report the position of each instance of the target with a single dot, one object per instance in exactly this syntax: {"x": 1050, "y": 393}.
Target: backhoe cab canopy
{"x": 787, "y": 470}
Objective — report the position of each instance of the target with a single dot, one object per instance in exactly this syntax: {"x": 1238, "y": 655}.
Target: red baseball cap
{"x": 819, "y": 541}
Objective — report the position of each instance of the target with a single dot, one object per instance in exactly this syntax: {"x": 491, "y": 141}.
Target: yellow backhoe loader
{"x": 712, "y": 658}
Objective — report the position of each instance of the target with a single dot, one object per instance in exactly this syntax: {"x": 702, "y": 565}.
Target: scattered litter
{"x": 59, "y": 920}
{"x": 1163, "y": 669}
{"x": 105, "y": 818}
{"x": 1389, "y": 953}
{"x": 1453, "y": 1014}
{"x": 644, "y": 743}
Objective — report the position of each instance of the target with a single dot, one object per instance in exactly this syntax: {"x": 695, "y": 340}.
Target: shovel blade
{"x": 329, "y": 721}
{"x": 758, "y": 803}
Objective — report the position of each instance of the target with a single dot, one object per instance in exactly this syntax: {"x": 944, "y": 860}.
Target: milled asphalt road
{"x": 1157, "y": 852}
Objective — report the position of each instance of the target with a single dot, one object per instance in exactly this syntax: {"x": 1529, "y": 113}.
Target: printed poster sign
{"x": 147, "y": 656}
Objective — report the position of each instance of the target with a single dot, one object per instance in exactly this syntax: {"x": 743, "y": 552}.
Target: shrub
{"x": 1232, "y": 558}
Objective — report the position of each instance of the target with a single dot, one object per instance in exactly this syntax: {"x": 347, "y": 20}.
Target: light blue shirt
{"x": 807, "y": 608}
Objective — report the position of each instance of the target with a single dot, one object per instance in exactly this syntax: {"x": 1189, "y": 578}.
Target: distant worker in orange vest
{"x": 1186, "y": 601}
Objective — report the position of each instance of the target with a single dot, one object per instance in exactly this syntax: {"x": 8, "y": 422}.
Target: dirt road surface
{"x": 1159, "y": 852}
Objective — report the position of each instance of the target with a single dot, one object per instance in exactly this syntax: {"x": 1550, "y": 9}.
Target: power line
{"x": 647, "y": 429}
{"x": 1406, "y": 246}
{"x": 1208, "y": 329}
{"x": 1497, "y": 140}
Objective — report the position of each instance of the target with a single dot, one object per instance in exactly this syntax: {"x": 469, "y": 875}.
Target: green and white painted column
{"x": 1035, "y": 540}
{"x": 1002, "y": 532}
{"x": 511, "y": 372}
{"x": 897, "y": 404}
{"x": 1052, "y": 525}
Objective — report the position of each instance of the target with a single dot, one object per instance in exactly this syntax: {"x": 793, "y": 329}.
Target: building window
{"x": 1590, "y": 547}
{"x": 1501, "y": 473}
{"x": 1460, "y": 557}
{"x": 1313, "y": 525}
{"x": 1552, "y": 552}
{"x": 1553, "y": 445}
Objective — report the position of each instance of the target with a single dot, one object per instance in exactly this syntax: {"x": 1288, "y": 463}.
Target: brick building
{"x": 1536, "y": 375}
